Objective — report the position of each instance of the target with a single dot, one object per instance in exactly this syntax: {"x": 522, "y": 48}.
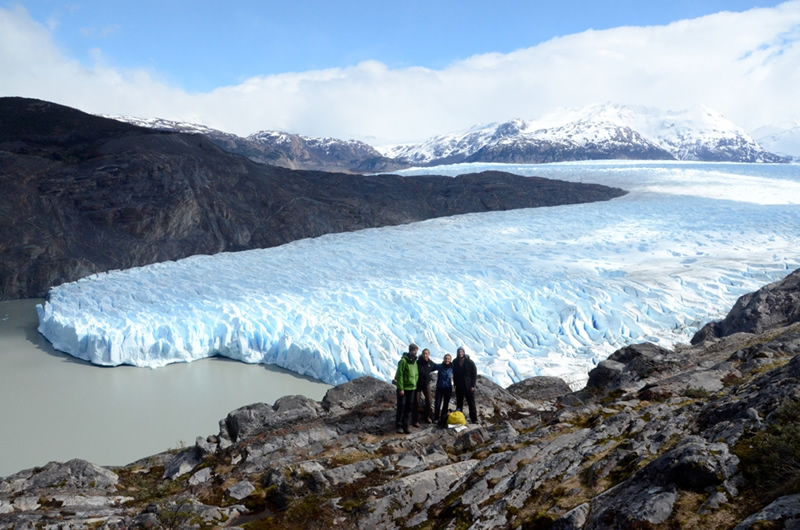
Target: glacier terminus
{"x": 545, "y": 291}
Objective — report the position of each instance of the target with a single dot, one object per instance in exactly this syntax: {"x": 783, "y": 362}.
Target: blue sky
{"x": 397, "y": 71}
{"x": 201, "y": 45}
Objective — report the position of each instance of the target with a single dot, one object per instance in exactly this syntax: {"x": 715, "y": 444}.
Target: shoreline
{"x": 57, "y": 407}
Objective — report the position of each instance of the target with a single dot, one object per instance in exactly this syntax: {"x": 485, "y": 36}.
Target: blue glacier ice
{"x": 546, "y": 291}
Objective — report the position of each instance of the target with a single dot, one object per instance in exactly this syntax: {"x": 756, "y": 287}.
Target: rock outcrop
{"x": 84, "y": 194}
{"x": 774, "y": 305}
{"x": 703, "y": 436}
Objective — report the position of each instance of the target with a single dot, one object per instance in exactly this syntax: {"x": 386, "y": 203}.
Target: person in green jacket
{"x": 406, "y": 381}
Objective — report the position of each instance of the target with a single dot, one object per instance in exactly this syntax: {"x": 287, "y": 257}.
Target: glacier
{"x": 545, "y": 291}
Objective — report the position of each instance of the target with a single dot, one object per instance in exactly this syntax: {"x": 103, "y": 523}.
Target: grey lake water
{"x": 56, "y": 407}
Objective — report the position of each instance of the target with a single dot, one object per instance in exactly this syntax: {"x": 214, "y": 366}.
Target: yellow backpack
{"x": 456, "y": 418}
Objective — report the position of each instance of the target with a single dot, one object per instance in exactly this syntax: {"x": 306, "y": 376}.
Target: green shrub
{"x": 696, "y": 393}
{"x": 771, "y": 458}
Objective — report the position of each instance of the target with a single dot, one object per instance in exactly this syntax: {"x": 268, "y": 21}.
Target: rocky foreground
{"x": 702, "y": 436}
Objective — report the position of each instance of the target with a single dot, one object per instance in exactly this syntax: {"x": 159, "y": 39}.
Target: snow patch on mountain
{"x": 594, "y": 132}
{"x": 783, "y": 141}
{"x": 164, "y": 125}
{"x": 325, "y": 145}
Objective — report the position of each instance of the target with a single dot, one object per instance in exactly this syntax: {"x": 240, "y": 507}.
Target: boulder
{"x": 294, "y": 408}
{"x": 357, "y": 393}
{"x": 696, "y": 383}
{"x": 784, "y": 512}
{"x": 694, "y": 465}
{"x": 630, "y": 365}
{"x": 240, "y": 490}
{"x": 774, "y": 305}
{"x": 243, "y": 422}
{"x": 495, "y": 402}
{"x": 184, "y": 462}
{"x": 74, "y": 474}
{"x": 573, "y": 519}
{"x": 540, "y": 388}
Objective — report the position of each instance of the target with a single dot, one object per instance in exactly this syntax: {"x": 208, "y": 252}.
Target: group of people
{"x": 413, "y": 380}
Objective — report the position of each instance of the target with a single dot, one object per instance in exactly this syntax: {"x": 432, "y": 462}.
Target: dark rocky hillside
{"x": 702, "y": 436}
{"x": 84, "y": 194}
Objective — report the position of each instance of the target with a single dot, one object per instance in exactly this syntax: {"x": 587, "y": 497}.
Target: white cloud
{"x": 100, "y": 33}
{"x": 744, "y": 65}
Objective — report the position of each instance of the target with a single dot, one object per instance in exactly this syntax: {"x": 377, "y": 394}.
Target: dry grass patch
{"x": 538, "y": 512}
{"x": 349, "y": 457}
{"x": 729, "y": 514}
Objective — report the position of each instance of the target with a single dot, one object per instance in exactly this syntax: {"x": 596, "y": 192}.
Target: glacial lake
{"x": 56, "y": 407}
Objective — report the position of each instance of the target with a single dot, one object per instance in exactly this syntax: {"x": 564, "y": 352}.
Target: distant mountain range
{"x": 781, "y": 140}
{"x": 292, "y": 151}
{"x": 596, "y": 132}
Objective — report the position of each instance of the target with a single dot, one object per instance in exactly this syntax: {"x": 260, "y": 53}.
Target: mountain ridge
{"x": 282, "y": 149}
{"x": 595, "y": 132}
{"x": 784, "y": 141}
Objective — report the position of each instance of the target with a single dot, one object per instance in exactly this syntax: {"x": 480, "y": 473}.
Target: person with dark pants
{"x": 444, "y": 389}
{"x": 424, "y": 367}
{"x": 398, "y": 417}
{"x": 465, "y": 374}
{"x": 406, "y": 381}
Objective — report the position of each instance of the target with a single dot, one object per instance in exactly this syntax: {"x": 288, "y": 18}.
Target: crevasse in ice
{"x": 546, "y": 291}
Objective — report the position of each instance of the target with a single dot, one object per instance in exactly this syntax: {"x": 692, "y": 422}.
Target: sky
{"x": 397, "y": 72}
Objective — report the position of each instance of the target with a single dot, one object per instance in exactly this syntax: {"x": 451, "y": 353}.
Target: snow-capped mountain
{"x": 166, "y": 125}
{"x": 783, "y": 141}
{"x": 230, "y": 142}
{"x": 596, "y": 132}
{"x": 701, "y": 134}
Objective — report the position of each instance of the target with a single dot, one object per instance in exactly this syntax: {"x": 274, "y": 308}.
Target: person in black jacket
{"x": 465, "y": 374}
{"x": 425, "y": 366}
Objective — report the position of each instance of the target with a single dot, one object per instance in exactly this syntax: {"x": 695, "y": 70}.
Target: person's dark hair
{"x": 412, "y": 347}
